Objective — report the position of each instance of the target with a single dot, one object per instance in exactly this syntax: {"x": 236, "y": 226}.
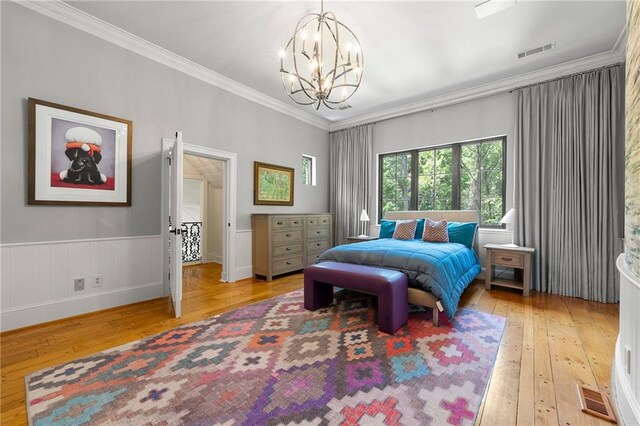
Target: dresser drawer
{"x": 320, "y": 245}
{"x": 279, "y": 222}
{"x": 286, "y": 236}
{"x": 285, "y": 265}
{"x": 318, "y": 220}
{"x": 295, "y": 222}
{"x": 505, "y": 258}
{"x": 311, "y": 258}
{"x": 288, "y": 250}
{"x": 316, "y": 233}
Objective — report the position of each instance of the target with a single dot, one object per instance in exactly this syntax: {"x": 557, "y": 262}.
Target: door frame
{"x": 229, "y": 186}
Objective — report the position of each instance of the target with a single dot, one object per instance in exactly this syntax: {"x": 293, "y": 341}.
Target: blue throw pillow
{"x": 386, "y": 228}
{"x": 462, "y": 233}
{"x": 419, "y": 229}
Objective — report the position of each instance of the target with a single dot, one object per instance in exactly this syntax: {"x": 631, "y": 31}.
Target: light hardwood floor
{"x": 550, "y": 343}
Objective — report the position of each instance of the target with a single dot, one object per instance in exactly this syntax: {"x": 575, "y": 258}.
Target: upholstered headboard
{"x": 448, "y": 215}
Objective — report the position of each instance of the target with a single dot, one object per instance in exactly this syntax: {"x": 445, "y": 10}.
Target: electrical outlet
{"x": 97, "y": 280}
{"x": 627, "y": 359}
{"x": 78, "y": 284}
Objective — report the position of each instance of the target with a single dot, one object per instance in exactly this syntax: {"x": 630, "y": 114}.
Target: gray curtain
{"x": 568, "y": 199}
{"x": 349, "y": 172}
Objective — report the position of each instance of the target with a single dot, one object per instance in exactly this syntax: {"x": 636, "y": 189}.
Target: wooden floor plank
{"x": 501, "y": 405}
{"x": 549, "y": 344}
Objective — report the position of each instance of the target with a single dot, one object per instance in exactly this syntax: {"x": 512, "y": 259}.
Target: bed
{"x": 438, "y": 273}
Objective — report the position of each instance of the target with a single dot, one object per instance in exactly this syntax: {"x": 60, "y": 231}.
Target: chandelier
{"x": 322, "y": 63}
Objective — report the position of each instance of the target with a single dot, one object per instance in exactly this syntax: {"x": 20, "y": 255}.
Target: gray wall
{"x": 481, "y": 118}
{"x": 45, "y": 59}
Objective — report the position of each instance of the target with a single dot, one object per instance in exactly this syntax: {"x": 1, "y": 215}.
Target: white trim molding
{"x": 67, "y": 14}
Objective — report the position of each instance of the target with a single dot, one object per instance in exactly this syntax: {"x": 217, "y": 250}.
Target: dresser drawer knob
{"x": 318, "y": 244}
{"x": 288, "y": 249}
{"x": 288, "y": 262}
{"x": 288, "y": 235}
{"x": 279, "y": 223}
{"x": 317, "y": 232}
{"x": 507, "y": 259}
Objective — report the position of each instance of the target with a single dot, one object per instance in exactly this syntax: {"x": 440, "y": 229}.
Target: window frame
{"x": 456, "y": 149}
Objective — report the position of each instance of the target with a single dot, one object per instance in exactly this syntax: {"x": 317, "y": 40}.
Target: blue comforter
{"x": 443, "y": 269}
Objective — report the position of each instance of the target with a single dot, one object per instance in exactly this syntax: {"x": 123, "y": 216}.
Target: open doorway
{"x": 217, "y": 242}
{"x": 202, "y": 211}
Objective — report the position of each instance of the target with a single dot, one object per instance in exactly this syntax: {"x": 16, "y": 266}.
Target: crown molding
{"x": 67, "y": 14}
{"x": 621, "y": 43}
{"x": 499, "y": 86}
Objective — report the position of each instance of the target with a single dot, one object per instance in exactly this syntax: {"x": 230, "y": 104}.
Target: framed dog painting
{"x": 78, "y": 157}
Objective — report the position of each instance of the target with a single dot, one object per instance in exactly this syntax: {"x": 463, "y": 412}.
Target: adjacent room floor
{"x": 550, "y": 344}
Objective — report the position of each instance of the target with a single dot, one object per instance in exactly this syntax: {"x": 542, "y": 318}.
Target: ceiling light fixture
{"x": 491, "y": 7}
{"x": 324, "y": 68}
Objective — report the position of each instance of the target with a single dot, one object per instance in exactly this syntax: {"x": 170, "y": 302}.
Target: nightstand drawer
{"x": 506, "y": 258}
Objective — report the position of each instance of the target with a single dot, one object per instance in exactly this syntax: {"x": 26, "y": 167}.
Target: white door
{"x": 175, "y": 225}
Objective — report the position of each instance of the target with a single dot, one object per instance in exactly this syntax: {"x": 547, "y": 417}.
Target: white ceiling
{"x": 211, "y": 170}
{"x": 413, "y": 50}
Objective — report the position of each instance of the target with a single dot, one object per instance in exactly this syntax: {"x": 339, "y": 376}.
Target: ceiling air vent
{"x": 536, "y": 50}
{"x": 343, "y": 107}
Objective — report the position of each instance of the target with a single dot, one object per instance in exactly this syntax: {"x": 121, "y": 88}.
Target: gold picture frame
{"x": 272, "y": 185}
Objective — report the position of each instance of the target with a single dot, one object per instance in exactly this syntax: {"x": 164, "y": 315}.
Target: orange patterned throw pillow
{"x": 435, "y": 232}
{"x": 405, "y": 229}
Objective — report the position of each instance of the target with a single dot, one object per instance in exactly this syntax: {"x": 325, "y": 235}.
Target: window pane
{"x": 491, "y": 211}
{"x": 481, "y": 180}
{"x": 306, "y": 170}
{"x": 396, "y": 182}
{"x": 435, "y": 186}
{"x": 470, "y": 177}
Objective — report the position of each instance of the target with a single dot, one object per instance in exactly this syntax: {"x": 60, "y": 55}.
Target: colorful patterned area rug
{"x": 275, "y": 363}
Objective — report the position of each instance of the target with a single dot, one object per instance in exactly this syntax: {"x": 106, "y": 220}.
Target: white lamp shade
{"x": 510, "y": 217}
{"x": 364, "y": 217}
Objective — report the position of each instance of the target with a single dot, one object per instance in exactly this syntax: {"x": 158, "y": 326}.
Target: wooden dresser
{"x": 288, "y": 242}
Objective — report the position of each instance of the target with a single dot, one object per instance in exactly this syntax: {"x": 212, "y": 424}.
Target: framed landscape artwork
{"x": 272, "y": 185}
{"x": 78, "y": 157}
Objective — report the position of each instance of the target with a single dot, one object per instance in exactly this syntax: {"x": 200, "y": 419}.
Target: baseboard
{"x": 624, "y": 401}
{"x": 37, "y": 313}
{"x": 244, "y": 272}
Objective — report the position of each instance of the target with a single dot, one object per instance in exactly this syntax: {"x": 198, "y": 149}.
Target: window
{"x": 308, "y": 170}
{"x": 463, "y": 176}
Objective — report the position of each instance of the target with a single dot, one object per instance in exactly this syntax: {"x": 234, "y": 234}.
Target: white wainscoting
{"x": 626, "y": 378}
{"x": 244, "y": 261}
{"x": 37, "y": 279}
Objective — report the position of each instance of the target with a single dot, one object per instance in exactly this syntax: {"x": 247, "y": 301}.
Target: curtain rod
{"x": 566, "y": 76}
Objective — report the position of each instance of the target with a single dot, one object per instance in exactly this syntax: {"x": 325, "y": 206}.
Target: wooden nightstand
{"x": 360, "y": 239}
{"x": 520, "y": 259}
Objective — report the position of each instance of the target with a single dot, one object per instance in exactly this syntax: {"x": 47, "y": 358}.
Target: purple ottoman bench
{"x": 390, "y": 287}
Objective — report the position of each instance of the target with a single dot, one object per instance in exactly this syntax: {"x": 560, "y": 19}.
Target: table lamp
{"x": 364, "y": 218}
{"x": 509, "y": 219}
